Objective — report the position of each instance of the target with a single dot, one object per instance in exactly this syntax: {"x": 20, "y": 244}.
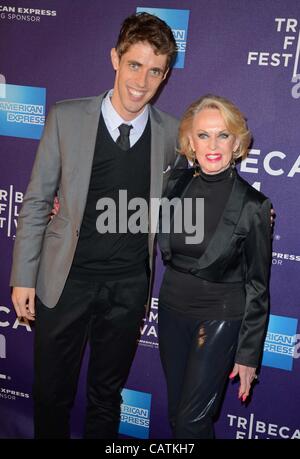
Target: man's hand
{"x": 272, "y": 216}
{"x": 23, "y": 301}
{"x": 55, "y": 207}
{"x": 247, "y": 376}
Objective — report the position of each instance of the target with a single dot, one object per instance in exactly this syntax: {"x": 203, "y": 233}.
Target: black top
{"x": 116, "y": 255}
{"x": 189, "y": 294}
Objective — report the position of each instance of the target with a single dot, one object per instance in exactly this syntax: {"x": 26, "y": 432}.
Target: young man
{"x": 77, "y": 284}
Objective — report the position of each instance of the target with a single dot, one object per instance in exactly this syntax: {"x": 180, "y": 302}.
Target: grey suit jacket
{"x": 44, "y": 250}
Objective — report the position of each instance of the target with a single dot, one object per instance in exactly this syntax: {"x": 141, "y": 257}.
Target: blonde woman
{"x": 214, "y": 298}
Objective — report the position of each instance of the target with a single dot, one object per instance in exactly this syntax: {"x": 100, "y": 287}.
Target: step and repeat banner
{"x": 245, "y": 50}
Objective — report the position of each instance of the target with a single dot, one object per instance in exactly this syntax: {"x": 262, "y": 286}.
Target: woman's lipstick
{"x": 213, "y": 157}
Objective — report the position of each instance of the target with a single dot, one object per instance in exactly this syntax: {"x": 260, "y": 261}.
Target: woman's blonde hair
{"x": 234, "y": 120}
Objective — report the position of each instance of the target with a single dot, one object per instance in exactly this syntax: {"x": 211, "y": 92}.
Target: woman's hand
{"x": 247, "y": 375}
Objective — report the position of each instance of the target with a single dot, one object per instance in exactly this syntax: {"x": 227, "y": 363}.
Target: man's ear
{"x": 166, "y": 73}
{"x": 115, "y": 60}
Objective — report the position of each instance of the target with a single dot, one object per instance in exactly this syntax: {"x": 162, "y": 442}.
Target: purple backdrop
{"x": 246, "y": 51}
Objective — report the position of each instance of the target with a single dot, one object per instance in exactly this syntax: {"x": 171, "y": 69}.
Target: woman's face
{"x": 211, "y": 140}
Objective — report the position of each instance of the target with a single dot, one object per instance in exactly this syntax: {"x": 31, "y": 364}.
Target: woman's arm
{"x": 258, "y": 255}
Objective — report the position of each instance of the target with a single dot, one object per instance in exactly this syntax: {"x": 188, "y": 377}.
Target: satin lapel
{"x": 86, "y": 148}
{"x": 177, "y": 191}
{"x": 226, "y": 225}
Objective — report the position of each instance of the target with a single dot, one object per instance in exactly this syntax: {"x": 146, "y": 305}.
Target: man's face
{"x": 139, "y": 73}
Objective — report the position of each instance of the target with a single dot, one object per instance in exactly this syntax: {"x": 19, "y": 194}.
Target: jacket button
{"x": 77, "y": 233}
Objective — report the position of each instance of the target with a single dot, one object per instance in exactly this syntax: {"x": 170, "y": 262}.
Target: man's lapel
{"x": 157, "y": 154}
{"x": 86, "y": 148}
{"x": 156, "y": 168}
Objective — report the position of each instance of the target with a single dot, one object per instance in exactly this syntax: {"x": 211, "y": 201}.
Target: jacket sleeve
{"x": 37, "y": 205}
{"x": 258, "y": 254}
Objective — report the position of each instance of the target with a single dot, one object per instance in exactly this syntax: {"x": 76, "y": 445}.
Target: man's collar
{"x": 113, "y": 119}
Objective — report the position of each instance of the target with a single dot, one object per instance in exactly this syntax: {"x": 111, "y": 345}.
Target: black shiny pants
{"x": 197, "y": 357}
{"x": 108, "y": 315}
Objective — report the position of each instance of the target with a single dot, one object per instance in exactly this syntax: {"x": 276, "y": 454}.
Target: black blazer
{"x": 239, "y": 251}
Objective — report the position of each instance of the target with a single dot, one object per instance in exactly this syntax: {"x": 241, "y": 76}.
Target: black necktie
{"x": 123, "y": 139}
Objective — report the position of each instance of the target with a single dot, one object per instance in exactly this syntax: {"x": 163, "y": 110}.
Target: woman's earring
{"x": 232, "y": 165}
{"x": 196, "y": 166}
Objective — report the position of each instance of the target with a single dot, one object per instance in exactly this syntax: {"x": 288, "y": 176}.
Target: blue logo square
{"x": 135, "y": 413}
{"x": 22, "y": 111}
{"x": 178, "y": 20}
{"x": 280, "y": 342}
